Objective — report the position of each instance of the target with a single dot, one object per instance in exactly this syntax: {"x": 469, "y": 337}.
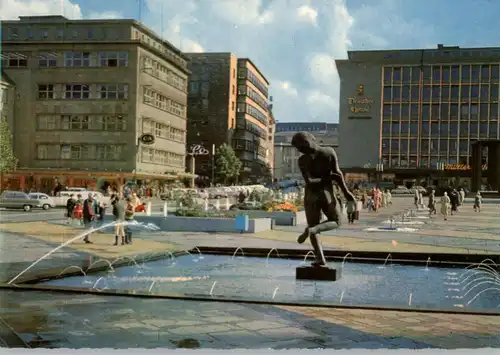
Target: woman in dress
{"x": 445, "y": 205}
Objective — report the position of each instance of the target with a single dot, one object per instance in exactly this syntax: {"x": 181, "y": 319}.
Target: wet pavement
{"x": 45, "y": 319}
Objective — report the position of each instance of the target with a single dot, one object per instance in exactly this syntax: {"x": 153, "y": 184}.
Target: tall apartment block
{"x": 228, "y": 102}
{"x": 87, "y": 90}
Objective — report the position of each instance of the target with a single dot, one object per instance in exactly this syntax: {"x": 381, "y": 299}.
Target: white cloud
{"x": 12, "y": 9}
{"x": 287, "y": 88}
{"x": 322, "y": 69}
{"x": 242, "y": 12}
{"x": 105, "y": 15}
{"x": 307, "y": 14}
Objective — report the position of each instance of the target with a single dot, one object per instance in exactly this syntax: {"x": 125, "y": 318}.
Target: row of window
{"x": 161, "y": 157}
{"x": 453, "y": 93}
{"x": 245, "y": 73}
{"x": 109, "y": 123}
{"x": 82, "y": 91}
{"x": 252, "y": 111}
{"x": 250, "y": 127}
{"x": 163, "y": 131}
{"x": 249, "y": 146}
{"x": 254, "y": 95}
{"x": 70, "y": 60}
{"x": 161, "y": 102}
{"x": 80, "y": 151}
{"x": 28, "y": 33}
{"x": 432, "y": 147}
{"x": 405, "y": 161}
{"x": 160, "y": 71}
{"x": 464, "y": 129}
{"x": 160, "y": 47}
{"x": 443, "y": 112}
{"x": 443, "y": 73}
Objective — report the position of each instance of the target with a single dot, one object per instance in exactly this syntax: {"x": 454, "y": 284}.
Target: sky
{"x": 293, "y": 42}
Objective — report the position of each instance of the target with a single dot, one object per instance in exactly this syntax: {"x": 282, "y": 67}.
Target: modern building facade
{"x": 228, "y": 103}
{"x": 418, "y": 109}
{"x": 286, "y": 156}
{"x": 90, "y": 89}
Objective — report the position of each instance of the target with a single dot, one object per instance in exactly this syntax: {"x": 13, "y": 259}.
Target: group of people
{"x": 90, "y": 212}
{"x": 376, "y": 199}
{"x": 450, "y": 202}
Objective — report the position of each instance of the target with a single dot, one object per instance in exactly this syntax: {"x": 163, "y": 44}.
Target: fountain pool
{"x": 273, "y": 279}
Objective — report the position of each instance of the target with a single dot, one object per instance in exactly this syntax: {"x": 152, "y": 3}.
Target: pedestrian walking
{"x": 432, "y": 202}
{"x": 129, "y": 217}
{"x": 70, "y": 208}
{"x": 445, "y": 205}
{"x": 119, "y": 215}
{"x": 88, "y": 215}
{"x": 478, "y": 201}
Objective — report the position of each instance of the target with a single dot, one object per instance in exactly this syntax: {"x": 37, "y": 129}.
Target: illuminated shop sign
{"x": 462, "y": 167}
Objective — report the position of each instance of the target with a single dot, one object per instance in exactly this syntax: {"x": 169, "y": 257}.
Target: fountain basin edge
{"x": 222, "y": 299}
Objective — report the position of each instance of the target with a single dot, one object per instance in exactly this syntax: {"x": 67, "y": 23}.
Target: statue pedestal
{"x": 317, "y": 273}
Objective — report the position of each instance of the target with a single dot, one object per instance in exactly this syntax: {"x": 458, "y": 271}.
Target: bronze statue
{"x": 320, "y": 169}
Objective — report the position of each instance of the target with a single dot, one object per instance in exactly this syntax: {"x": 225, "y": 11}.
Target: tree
{"x": 8, "y": 161}
{"x": 227, "y": 164}
{"x": 260, "y": 173}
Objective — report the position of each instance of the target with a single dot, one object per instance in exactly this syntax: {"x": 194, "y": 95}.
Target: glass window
{"x": 445, "y": 74}
{"x": 483, "y": 111}
{"x": 454, "y": 93}
{"x": 444, "y": 129}
{"x": 405, "y": 112}
{"x": 413, "y": 129}
{"x": 414, "y": 111}
{"x": 425, "y": 145}
{"x": 493, "y": 130}
{"x": 474, "y": 92}
{"x": 427, "y": 74}
{"x": 413, "y": 146}
{"x": 385, "y": 146}
{"x": 485, "y": 73}
{"x": 414, "y": 93}
{"x": 434, "y": 146}
{"x": 464, "y": 111}
{"x": 455, "y": 74}
{"x": 425, "y": 129}
{"x": 405, "y": 93}
{"x": 444, "y": 114}
{"x": 426, "y": 112}
{"x": 463, "y": 146}
{"x": 494, "y": 93}
{"x": 453, "y": 146}
{"x": 453, "y": 129}
{"x": 443, "y": 146}
{"x": 494, "y": 74}
{"x": 475, "y": 72}
{"x": 426, "y": 93}
{"x": 394, "y": 145}
{"x": 485, "y": 93}
{"x": 387, "y": 111}
{"x": 436, "y": 73}
{"x": 454, "y": 111}
{"x": 435, "y": 129}
{"x": 465, "y": 72}
{"x": 434, "y": 111}
{"x": 445, "y": 93}
{"x": 483, "y": 130}
{"x": 424, "y": 162}
{"x": 395, "y": 129}
{"x": 465, "y": 93}
{"x": 474, "y": 110}
{"x": 396, "y": 93}
{"x": 415, "y": 74}
{"x": 387, "y": 74}
{"x": 436, "y": 93}
{"x": 396, "y": 74}
{"x": 396, "y": 108}
{"x": 406, "y": 74}
{"x": 386, "y": 128}
{"x": 387, "y": 93}
{"x": 404, "y": 147}
{"x": 405, "y": 129}
{"x": 494, "y": 112}
{"x": 464, "y": 129}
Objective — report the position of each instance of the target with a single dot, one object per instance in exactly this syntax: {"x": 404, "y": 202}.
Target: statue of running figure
{"x": 320, "y": 168}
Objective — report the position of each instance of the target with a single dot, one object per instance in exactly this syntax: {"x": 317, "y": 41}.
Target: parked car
{"x": 401, "y": 190}
{"x": 420, "y": 189}
{"x": 18, "y": 199}
{"x": 46, "y": 201}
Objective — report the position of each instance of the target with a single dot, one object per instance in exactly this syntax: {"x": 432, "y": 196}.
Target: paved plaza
{"x": 45, "y": 319}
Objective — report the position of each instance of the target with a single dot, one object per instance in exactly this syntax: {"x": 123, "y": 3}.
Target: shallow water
{"x": 255, "y": 278}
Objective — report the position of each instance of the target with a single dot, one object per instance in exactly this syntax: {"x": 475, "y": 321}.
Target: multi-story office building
{"x": 286, "y": 156}
{"x": 87, "y": 91}
{"x": 417, "y": 109}
{"x": 228, "y": 103}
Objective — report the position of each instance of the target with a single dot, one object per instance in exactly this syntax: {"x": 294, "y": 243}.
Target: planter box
{"x": 202, "y": 224}
{"x": 280, "y": 218}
